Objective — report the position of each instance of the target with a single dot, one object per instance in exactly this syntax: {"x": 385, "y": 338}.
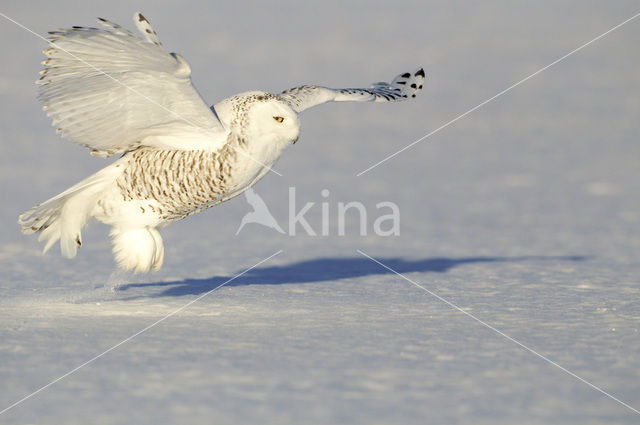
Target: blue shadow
{"x": 328, "y": 269}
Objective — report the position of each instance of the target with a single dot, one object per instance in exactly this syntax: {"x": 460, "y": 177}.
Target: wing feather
{"x": 402, "y": 87}
{"x": 110, "y": 90}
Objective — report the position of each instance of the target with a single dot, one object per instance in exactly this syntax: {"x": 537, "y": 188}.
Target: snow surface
{"x": 526, "y": 213}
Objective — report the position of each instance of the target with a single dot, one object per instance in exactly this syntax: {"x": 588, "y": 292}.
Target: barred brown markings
{"x": 219, "y": 164}
{"x": 184, "y": 167}
{"x": 181, "y": 182}
{"x": 163, "y": 159}
{"x": 148, "y": 171}
{"x": 122, "y": 190}
{"x": 164, "y": 178}
{"x": 181, "y": 197}
{"x": 152, "y": 189}
{"x": 175, "y": 164}
{"x": 138, "y": 185}
{"x": 200, "y": 194}
{"x": 133, "y": 177}
{"x": 186, "y": 196}
{"x": 207, "y": 188}
{"x": 166, "y": 175}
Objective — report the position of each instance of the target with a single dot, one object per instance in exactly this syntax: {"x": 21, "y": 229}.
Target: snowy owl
{"x": 118, "y": 93}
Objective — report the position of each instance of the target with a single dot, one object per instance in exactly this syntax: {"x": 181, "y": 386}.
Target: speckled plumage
{"x": 176, "y": 183}
{"x": 114, "y": 92}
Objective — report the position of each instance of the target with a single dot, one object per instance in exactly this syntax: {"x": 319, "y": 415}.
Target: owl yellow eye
{"x": 279, "y": 119}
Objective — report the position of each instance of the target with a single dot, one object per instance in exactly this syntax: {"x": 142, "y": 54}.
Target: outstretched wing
{"x": 111, "y": 91}
{"x": 404, "y": 86}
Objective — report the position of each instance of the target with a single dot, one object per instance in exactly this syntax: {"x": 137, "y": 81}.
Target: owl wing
{"x": 111, "y": 91}
{"x": 404, "y": 86}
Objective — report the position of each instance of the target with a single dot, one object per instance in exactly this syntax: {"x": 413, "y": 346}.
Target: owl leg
{"x": 138, "y": 249}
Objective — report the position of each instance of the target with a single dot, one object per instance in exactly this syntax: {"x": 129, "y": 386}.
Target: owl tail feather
{"x": 138, "y": 249}
{"x": 64, "y": 216}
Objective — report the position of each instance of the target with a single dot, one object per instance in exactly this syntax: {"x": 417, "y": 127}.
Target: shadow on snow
{"x": 328, "y": 269}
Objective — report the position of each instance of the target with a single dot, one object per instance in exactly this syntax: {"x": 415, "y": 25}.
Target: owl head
{"x": 260, "y": 117}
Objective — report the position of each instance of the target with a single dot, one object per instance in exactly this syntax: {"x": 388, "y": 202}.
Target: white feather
{"x": 107, "y": 88}
{"x": 64, "y": 216}
{"x": 138, "y": 249}
{"x": 403, "y": 86}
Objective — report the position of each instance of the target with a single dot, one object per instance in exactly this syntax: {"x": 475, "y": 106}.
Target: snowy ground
{"x": 526, "y": 214}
